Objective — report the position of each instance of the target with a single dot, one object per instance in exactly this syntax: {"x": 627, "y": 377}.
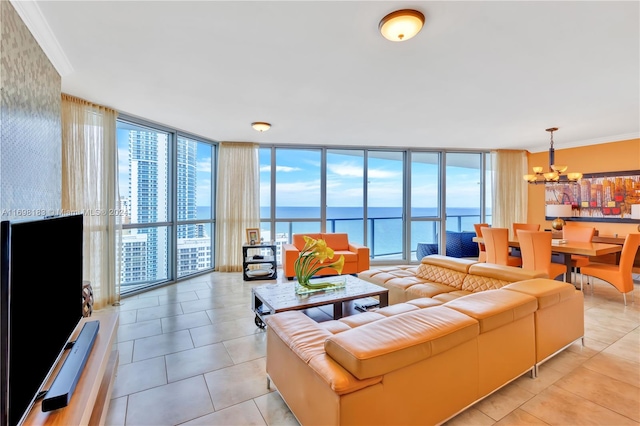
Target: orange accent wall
{"x": 606, "y": 157}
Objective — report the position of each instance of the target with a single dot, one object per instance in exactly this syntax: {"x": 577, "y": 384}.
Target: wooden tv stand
{"x": 90, "y": 400}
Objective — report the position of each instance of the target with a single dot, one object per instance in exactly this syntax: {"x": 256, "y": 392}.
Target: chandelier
{"x": 556, "y": 173}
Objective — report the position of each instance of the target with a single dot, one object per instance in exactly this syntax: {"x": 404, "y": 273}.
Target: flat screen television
{"x": 41, "y": 288}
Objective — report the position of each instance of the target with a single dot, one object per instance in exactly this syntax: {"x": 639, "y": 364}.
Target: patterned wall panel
{"x": 30, "y": 129}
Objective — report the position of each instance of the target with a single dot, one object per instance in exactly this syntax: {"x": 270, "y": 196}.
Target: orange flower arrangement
{"x": 311, "y": 260}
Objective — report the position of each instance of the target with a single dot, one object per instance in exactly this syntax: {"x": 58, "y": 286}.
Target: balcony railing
{"x": 378, "y": 228}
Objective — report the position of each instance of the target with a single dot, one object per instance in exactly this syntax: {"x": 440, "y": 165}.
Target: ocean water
{"x": 384, "y": 224}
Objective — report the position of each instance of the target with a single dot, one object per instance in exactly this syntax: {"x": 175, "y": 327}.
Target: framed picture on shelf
{"x": 253, "y": 236}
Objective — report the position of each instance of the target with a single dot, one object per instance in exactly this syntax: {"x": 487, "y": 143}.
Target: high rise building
{"x": 187, "y": 186}
{"x": 148, "y": 200}
{"x": 145, "y": 250}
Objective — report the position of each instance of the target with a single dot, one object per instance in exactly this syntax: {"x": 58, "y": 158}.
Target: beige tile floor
{"x": 190, "y": 354}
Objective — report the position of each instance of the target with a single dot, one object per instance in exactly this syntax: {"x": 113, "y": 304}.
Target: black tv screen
{"x": 41, "y": 287}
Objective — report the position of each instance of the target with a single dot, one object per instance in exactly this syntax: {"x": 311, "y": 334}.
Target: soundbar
{"x": 59, "y": 394}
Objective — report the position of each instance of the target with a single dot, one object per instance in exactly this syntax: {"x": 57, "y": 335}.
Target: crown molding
{"x": 33, "y": 18}
{"x": 596, "y": 141}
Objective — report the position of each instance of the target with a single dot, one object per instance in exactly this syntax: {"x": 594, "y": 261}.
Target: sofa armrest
{"x": 560, "y": 315}
{"x": 289, "y": 255}
{"x": 363, "y": 255}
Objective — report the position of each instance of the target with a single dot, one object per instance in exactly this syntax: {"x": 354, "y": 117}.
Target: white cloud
{"x": 349, "y": 169}
{"x": 382, "y": 174}
{"x": 204, "y": 165}
{"x": 345, "y": 169}
{"x": 284, "y": 169}
{"x": 305, "y": 193}
{"x": 123, "y": 158}
{"x": 203, "y": 193}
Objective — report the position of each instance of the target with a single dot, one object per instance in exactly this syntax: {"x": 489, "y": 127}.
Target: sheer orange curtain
{"x": 89, "y": 185}
{"x": 510, "y": 194}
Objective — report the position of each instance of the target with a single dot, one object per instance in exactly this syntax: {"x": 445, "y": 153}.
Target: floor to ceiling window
{"x": 425, "y": 199}
{"x": 487, "y": 201}
{"x": 388, "y": 200}
{"x": 345, "y": 193}
{"x": 194, "y": 184}
{"x": 463, "y": 190}
{"x": 166, "y": 188}
{"x": 385, "y": 204}
{"x": 289, "y": 194}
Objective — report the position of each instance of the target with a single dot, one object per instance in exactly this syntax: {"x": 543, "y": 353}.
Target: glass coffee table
{"x": 270, "y": 299}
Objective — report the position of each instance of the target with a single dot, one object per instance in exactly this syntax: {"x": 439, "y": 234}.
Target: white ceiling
{"x": 480, "y": 75}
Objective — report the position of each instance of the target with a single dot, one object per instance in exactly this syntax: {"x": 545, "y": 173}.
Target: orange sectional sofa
{"x": 444, "y": 278}
{"x": 419, "y": 362}
{"x": 356, "y": 256}
{"x": 424, "y": 360}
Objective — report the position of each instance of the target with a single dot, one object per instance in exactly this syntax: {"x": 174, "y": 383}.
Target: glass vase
{"x": 307, "y": 286}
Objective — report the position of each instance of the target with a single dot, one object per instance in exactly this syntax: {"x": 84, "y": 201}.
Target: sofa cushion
{"x": 360, "y": 319}
{"x": 299, "y": 332}
{"x": 424, "y": 302}
{"x": 392, "y": 282}
{"x": 334, "y": 326}
{"x": 398, "y": 308}
{"x": 460, "y": 244}
{"x": 395, "y": 342}
{"x": 460, "y": 265}
{"x": 489, "y": 276}
{"x": 495, "y": 308}
{"x": 337, "y": 377}
{"x": 426, "y": 249}
{"x": 386, "y": 273}
{"x": 440, "y": 274}
{"x": 548, "y": 292}
{"x": 428, "y": 290}
{"x": 349, "y": 256}
{"x": 504, "y": 272}
{"x": 452, "y": 295}
{"x": 337, "y": 241}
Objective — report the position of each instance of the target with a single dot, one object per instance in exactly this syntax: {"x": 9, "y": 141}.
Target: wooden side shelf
{"x": 90, "y": 400}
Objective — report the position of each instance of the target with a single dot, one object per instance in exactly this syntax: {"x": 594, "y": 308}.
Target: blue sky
{"x": 203, "y": 167}
{"x": 298, "y": 178}
{"x": 298, "y": 181}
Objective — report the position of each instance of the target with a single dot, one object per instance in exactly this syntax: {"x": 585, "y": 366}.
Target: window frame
{"x": 172, "y": 223}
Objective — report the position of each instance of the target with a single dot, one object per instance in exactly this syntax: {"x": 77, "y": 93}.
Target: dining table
{"x": 566, "y": 248}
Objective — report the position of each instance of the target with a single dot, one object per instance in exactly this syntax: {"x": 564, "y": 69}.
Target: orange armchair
{"x": 356, "y": 256}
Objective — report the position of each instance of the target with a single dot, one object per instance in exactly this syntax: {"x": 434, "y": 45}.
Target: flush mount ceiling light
{"x": 556, "y": 172}
{"x": 401, "y": 25}
{"x": 261, "y": 126}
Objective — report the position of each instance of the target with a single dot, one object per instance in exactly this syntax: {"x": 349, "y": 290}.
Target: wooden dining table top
{"x": 572, "y": 247}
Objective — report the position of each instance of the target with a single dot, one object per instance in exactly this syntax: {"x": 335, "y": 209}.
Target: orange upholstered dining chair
{"x": 619, "y": 276}
{"x": 536, "y": 253}
{"x": 482, "y": 253}
{"x": 496, "y": 242}
{"x": 524, "y": 226}
{"x": 581, "y": 234}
